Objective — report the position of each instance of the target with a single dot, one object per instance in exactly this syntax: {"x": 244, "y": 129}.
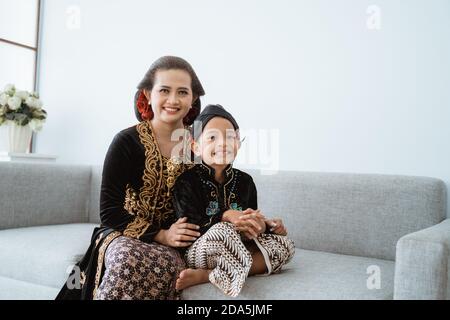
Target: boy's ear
{"x": 238, "y": 137}
{"x": 195, "y": 148}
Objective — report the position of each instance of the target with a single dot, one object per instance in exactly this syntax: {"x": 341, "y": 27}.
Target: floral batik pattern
{"x": 136, "y": 270}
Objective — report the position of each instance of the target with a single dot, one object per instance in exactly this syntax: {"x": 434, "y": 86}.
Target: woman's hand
{"x": 180, "y": 234}
{"x": 276, "y": 226}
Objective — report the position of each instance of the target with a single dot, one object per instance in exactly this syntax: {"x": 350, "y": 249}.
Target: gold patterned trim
{"x": 98, "y": 239}
{"x": 225, "y": 188}
{"x": 136, "y": 228}
{"x": 152, "y": 204}
{"x": 144, "y": 207}
{"x": 173, "y": 168}
{"x": 229, "y": 170}
{"x": 82, "y": 278}
{"x": 101, "y": 256}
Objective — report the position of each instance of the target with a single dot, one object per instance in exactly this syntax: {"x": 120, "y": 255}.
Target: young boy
{"x": 235, "y": 237}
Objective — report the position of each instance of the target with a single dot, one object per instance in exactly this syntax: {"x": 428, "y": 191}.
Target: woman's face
{"x": 218, "y": 143}
{"x": 171, "y": 96}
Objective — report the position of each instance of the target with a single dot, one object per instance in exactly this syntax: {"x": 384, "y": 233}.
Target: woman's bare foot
{"x": 192, "y": 277}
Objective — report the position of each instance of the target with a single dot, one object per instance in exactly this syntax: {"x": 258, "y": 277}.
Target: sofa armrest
{"x": 422, "y": 264}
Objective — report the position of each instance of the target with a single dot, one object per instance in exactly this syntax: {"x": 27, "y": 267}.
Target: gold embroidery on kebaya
{"x": 137, "y": 227}
{"x": 131, "y": 204}
{"x": 173, "y": 170}
{"x": 153, "y": 203}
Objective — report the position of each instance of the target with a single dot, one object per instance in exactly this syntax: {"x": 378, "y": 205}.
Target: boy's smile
{"x": 218, "y": 143}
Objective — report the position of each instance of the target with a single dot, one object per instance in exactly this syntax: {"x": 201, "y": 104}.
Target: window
{"x": 19, "y": 39}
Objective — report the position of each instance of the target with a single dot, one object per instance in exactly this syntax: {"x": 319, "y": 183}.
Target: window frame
{"x": 36, "y": 50}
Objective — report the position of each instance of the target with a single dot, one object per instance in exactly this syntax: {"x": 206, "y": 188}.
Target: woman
{"x": 133, "y": 253}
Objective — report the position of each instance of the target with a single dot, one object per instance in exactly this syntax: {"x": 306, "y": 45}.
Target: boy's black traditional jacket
{"x": 200, "y": 198}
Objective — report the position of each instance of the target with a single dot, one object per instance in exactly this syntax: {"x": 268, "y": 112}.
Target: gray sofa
{"x": 357, "y": 236}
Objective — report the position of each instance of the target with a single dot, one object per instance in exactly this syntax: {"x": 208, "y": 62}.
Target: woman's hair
{"x": 143, "y": 111}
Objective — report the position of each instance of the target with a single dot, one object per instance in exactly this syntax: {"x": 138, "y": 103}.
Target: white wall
{"x": 344, "y": 97}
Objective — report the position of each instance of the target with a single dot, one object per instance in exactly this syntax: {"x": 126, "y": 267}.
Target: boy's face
{"x": 218, "y": 143}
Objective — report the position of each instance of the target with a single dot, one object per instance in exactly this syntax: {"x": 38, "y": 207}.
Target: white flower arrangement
{"x": 22, "y": 107}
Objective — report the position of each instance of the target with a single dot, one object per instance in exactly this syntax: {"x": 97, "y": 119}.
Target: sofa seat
{"x": 11, "y": 289}
{"x": 39, "y": 258}
{"x": 313, "y": 275}
{"x": 50, "y": 251}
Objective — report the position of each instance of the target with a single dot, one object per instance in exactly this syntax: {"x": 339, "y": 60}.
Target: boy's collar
{"x": 210, "y": 171}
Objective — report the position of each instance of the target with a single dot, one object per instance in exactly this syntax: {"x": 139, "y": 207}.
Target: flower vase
{"x": 19, "y": 138}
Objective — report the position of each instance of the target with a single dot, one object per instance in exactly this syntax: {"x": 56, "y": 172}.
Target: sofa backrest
{"x": 34, "y": 194}
{"x": 354, "y": 214}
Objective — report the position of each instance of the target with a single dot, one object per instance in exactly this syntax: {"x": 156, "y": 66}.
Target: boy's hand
{"x": 245, "y": 221}
{"x": 231, "y": 216}
{"x": 276, "y": 226}
{"x": 256, "y": 216}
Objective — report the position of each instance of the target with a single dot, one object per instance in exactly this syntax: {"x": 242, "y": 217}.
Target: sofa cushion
{"x": 12, "y": 289}
{"x": 42, "y": 255}
{"x": 313, "y": 275}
